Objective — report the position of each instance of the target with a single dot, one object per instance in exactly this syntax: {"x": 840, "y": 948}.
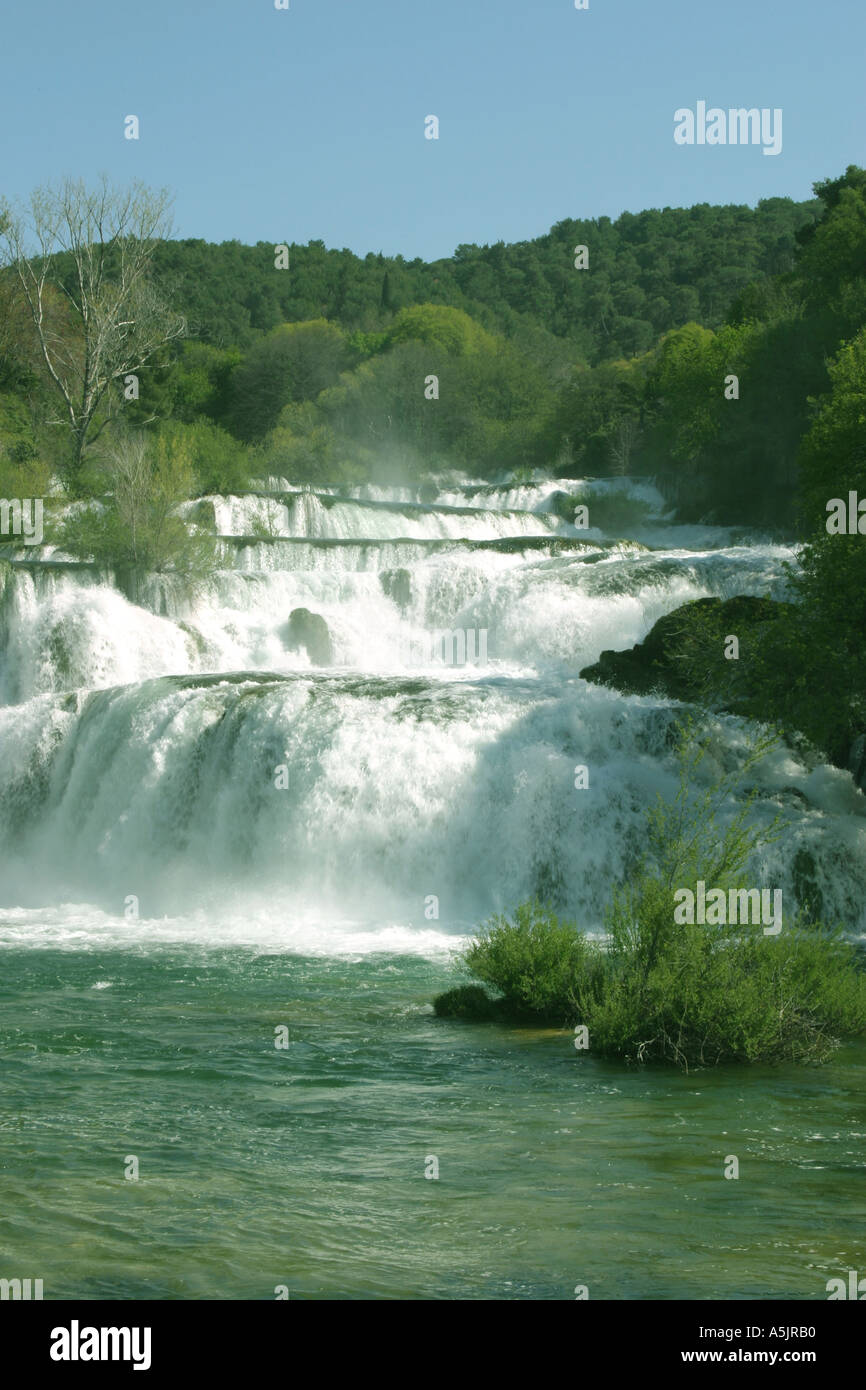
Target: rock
{"x": 397, "y": 585}
{"x": 468, "y": 1002}
{"x": 857, "y": 761}
{"x": 310, "y": 631}
{"x": 562, "y": 504}
{"x": 683, "y": 654}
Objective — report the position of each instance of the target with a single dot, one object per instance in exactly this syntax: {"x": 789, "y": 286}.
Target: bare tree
{"x": 622, "y": 443}
{"x": 136, "y": 530}
{"x": 130, "y": 472}
{"x": 82, "y": 258}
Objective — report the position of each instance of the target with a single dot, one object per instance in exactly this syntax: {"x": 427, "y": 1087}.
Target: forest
{"x": 317, "y": 371}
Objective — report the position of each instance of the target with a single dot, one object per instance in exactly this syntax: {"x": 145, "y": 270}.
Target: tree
{"x": 622, "y": 444}
{"x": 685, "y": 386}
{"x": 387, "y": 300}
{"x": 441, "y": 326}
{"x": 88, "y": 252}
{"x": 219, "y": 462}
{"x": 598, "y": 415}
{"x": 831, "y": 262}
{"x": 833, "y": 453}
{"x": 293, "y": 363}
{"x": 829, "y": 628}
{"x": 137, "y": 530}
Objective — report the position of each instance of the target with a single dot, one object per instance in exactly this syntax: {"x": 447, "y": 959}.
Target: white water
{"x": 306, "y": 514}
{"x": 129, "y": 772}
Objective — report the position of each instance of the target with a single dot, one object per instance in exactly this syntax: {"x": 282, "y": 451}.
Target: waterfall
{"x": 191, "y": 764}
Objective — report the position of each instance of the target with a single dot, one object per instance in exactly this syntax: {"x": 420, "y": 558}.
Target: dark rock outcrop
{"x": 309, "y": 631}
{"x": 467, "y": 1002}
{"x": 683, "y": 654}
{"x": 857, "y": 761}
{"x": 397, "y": 584}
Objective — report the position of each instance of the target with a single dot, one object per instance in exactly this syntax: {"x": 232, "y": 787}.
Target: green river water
{"x": 304, "y": 1166}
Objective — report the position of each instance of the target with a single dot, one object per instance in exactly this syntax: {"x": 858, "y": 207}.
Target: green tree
{"x": 832, "y": 263}
{"x": 293, "y": 363}
{"x": 833, "y": 453}
{"x": 137, "y": 529}
{"x": 440, "y": 326}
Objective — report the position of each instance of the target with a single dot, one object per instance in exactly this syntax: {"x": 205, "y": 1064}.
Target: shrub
{"x": 540, "y": 964}
{"x": 610, "y": 511}
{"x": 691, "y": 994}
{"x": 219, "y": 462}
{"x": 747, "y": 999}
{"x": 137, "y": 530}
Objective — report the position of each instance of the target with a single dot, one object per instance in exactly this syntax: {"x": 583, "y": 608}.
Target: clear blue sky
{"x": 309, "y": 123}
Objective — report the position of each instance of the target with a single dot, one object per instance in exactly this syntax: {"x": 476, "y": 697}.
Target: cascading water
{"x": 430, "y": 754}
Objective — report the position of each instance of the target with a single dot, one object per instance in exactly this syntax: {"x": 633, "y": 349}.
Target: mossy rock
{"x": 562, "y": 504}
{"x": 469, "y": 1002}
{"x": 857, "y": 760}
{"x": 310, "y": 631}
{"x": 658, "y": 663}
{"x": 397, "y": 585}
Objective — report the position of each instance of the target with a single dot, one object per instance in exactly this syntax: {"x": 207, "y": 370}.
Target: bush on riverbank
{"x": 136, "y": 529}
{"x": 543, "y": 967}
{"x": 705, "y": 999}
{"x": 657, "y": 989}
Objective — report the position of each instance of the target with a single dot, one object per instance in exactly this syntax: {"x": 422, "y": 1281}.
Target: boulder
{"x": 857, "y": 761}
{"x": 309, "y": 631}
{"x": 662, "y": 662}
{"x": 397, "y": 584}
{"x": 469, "y": 1002}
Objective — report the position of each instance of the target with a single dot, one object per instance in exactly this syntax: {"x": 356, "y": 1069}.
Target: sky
{"x": 309, "y": 122}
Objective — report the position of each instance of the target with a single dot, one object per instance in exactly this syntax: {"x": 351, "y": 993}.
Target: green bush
{"x": 540, "y": 964}
{"x": 137, "y": 530}
{"x": 304, "y": 450}
{"x": 747, "y": 999}
{"x": 611, "y": 512}
{"x": 684, "y": 993}
{"x": 219, "y": 462}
